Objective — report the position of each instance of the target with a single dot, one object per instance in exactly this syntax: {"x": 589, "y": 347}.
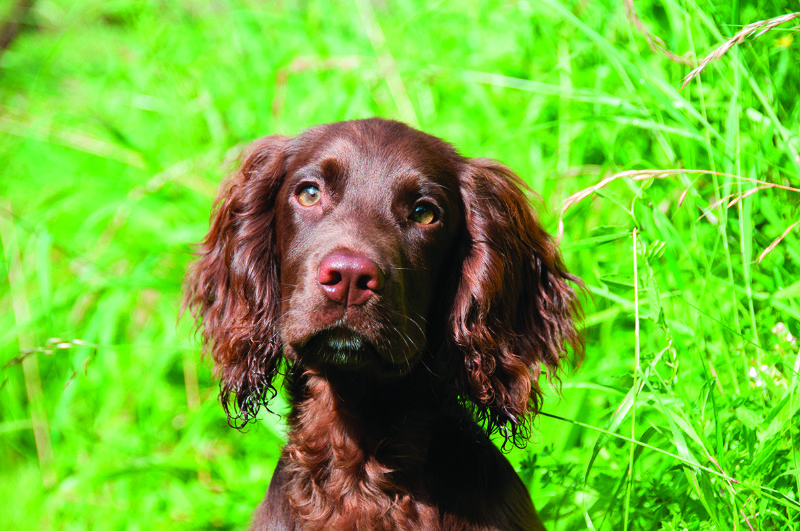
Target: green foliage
{"x": 119, "y": 118}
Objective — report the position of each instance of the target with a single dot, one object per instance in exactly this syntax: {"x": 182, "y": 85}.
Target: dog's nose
{"x": 349, "y": 278}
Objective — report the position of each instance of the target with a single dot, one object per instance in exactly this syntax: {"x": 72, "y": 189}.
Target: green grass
{"x": 119, "y": 118}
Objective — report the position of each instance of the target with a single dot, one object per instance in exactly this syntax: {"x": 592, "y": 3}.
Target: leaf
{"x": 748, "y": 418}
{"x": 594, "y": 242}
{"x": 789, "y": 292}
{"x": 616, "y": 419}
{"x": 654, "y": 298}
{"x": 619, "y": 280}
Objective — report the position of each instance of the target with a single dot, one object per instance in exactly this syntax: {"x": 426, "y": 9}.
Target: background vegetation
{"x": 118, "y": 118}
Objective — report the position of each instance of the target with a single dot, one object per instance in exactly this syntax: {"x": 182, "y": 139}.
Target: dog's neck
{"x": 336, "y": 409}
{"x": 343, "y": 428}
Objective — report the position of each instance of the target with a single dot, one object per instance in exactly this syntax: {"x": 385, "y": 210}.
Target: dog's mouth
{"x": 339, "y": 347}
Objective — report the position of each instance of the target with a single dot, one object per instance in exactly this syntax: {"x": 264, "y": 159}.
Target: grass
{"x": 679, "y": 210}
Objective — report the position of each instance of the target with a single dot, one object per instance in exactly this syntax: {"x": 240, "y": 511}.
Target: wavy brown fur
{"x": 397, "y": 331}
{"x": 513, "y": 311}
{"x": 233, "y": 288}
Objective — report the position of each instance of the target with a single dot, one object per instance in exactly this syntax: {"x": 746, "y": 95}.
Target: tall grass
{"x": 679, "y": 209}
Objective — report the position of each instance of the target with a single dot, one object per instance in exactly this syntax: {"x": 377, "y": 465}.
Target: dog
{"x": 410, "y": 301}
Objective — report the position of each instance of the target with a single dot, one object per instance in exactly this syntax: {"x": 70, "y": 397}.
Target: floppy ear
{"x": 233, "y": 288}
{"x": 514, "y": 306}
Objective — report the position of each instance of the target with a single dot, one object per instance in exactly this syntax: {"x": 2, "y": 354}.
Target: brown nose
{"x": 349, "y": 278}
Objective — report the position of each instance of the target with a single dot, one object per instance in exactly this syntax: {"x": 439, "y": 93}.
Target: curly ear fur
{"x": 514, "y": 307}
{"x": 233, "y": 288}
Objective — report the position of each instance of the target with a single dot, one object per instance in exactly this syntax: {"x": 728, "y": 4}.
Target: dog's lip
{"x": 337, "y": 346}
{"x": 346, "y": 348}
{"x": 338, "y": 337}
{"x": 335, "y": 332}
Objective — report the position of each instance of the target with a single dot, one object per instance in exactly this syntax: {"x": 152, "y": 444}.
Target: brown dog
{"x": 412, "y": 300}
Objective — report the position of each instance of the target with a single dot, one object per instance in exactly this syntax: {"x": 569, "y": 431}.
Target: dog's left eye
{"x": 309, "y": 196}
{"x": 424, "y": 214}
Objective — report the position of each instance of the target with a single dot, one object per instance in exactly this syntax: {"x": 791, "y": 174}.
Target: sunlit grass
{"x": 118, "y": 119}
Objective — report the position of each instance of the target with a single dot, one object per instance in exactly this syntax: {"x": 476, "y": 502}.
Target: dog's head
{"x": 374, "y": 248}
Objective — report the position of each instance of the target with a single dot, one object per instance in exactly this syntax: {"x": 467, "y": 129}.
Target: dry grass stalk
{"x": 747, "y": 31}
{"x": 636, "y": 175}
{"x": 735, "y": 198}
{"x": 641, "y": 175}
{"x": 653, "y": 41}
{"x": 20, "y": 307}
{"x": 776, "y": 241}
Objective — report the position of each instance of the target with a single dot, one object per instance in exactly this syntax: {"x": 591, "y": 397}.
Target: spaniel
{"x": 410, "y": 302}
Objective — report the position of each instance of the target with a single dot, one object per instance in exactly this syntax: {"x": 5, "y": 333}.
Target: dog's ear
{"x": 514, "y": 307}
{"x": 233, "y": 288}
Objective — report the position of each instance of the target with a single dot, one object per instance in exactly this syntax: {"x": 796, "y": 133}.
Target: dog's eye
{"x": 309, "y": 196}
{"x": 424, "y": 214}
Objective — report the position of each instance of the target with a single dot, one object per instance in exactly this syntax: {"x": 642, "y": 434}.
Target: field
{"x": 678, "y": 207}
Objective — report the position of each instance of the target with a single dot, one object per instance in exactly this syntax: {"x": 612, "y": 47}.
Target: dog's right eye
{"x": 309, "y": 196}
{"x": 424, "y": 214}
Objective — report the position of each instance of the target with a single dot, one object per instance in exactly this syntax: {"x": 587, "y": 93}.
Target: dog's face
{"x": 368, "y": 245}
{"x": 364, "y": 221}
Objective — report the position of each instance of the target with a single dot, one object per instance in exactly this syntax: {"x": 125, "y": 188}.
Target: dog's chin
{"x": 338, "y": 348}
{"x": 348, "y": 351}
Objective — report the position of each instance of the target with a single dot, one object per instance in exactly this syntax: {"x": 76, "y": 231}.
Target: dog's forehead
{"x": 373, "y": 156}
